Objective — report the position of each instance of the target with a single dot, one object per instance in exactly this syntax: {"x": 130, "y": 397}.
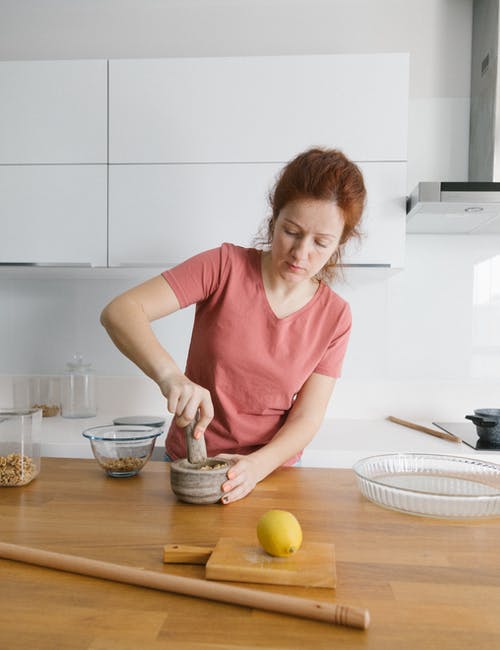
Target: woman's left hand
{"x": 242, "y": 477}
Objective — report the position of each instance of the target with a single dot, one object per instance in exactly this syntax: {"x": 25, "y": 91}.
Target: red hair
{"x": 324, "y": 174}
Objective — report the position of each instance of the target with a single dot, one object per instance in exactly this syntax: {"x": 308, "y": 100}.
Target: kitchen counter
{"x": 339, "y": 443}
{"x": 62, "y": 437}
{"x": 427, "y": 583}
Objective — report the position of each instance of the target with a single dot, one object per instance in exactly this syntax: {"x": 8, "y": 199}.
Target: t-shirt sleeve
{"x": 333, "y": 359}
{"x": 198, "y": 277}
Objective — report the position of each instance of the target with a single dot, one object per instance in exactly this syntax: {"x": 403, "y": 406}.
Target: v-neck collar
{"x": 260, "y": 279}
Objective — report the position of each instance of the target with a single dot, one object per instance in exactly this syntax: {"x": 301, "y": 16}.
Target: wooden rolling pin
{"x": 419, "y": 427}
{"x": 291, "y": 605}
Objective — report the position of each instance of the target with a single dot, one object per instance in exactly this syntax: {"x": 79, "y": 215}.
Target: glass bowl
{"x": 122, "y": 450}
{"x": 431, "y": 485}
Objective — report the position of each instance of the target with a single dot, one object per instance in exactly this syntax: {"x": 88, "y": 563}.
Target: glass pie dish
{"x": 431, "y": 485}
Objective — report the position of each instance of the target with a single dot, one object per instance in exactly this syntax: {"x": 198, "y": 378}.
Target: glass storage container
{"x": 78, "y": 399}
{"x": 38, "y": 392}
{"x": 19, "y": 446}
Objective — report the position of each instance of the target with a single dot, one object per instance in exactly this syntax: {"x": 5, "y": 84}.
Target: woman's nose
{"x": 301, "y": 248}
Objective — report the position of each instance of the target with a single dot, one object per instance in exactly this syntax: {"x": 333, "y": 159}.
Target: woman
{"x": 269, "y": 335}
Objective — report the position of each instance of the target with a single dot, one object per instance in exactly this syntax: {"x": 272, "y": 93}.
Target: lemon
{"x": 279, "y": 532}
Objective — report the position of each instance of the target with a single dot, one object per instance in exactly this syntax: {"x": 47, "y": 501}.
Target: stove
{"x": 466, "y": 431}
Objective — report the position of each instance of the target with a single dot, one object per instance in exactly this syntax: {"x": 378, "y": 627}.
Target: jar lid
{"x": 77, "y": 364}
{"x": 146, "y": 420}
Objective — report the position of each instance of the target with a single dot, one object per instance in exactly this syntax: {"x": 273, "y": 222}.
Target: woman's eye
{"x": 321, "y": 244}
{"x": 293, "y": 233}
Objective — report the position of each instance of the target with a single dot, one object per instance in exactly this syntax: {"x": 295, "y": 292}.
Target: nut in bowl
{"x": 122, "y": 450}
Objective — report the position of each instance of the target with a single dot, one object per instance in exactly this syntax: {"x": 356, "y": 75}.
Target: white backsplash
{"x": 425, "y": 340}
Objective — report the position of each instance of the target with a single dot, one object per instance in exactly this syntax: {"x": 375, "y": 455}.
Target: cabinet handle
{"x": 143, "y": 265}
{"x": 365, "y": 266}
{"x": 78, "y": 265}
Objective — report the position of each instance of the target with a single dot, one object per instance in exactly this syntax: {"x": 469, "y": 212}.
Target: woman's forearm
{"x": 250, "y": 470}
{"x": 132, "y": 334}
{"x": 127, "y": 319}
{"x": 290, "y": 440}
{"x": 300, "y": 427}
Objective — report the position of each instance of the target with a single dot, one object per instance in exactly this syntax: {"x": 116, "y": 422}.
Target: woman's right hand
{"x": 184, "y": 399}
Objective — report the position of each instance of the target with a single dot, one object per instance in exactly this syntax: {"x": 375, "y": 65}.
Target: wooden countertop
{"x": 427, "y": 583}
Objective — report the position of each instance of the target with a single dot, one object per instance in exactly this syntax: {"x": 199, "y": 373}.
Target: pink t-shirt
{"x": 252, "y": 362}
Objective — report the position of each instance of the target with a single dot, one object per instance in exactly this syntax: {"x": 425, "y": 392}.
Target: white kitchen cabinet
{"x": 194, "y": 147}
{"x": 195, "y": 144}
{"x": 53, "y": 214}
{"x": 257, "y": 109}
{"x": 53, "y": 162}
{"x": 161, "y": 214}
{"x": 53, "y": 112}
{"x": 384, "y": 218}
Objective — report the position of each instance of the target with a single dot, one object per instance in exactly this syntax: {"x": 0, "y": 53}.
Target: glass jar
{"x": 78, "y": 398}
{"x": 19, "y": 446}
{"x": 38, "y": 392}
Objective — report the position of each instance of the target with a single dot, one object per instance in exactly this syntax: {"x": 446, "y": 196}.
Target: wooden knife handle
{"x": 418, "y": 427}
{"x": 184, "y": 554}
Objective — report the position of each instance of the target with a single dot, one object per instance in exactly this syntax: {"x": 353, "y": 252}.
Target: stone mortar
{"x": 192, "y": 484}
{"x": 197, "y": 479}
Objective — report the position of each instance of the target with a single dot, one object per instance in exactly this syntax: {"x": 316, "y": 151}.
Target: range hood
{"x": 473, "y": 206}
{"x": 470, "y": 208}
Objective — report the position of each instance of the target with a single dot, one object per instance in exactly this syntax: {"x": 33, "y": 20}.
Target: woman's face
{"x": 306, "y": 234}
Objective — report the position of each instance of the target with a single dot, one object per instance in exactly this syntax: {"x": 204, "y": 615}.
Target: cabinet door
{"x": 257, "y": 109}
{"x": 384, "y": 218}
{"x": 53, "y": 214}
{"x": 53, "y": 112}
{"x": 162, "y": 214}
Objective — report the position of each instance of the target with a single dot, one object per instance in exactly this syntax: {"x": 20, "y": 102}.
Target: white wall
{"x": 421, "y": 341}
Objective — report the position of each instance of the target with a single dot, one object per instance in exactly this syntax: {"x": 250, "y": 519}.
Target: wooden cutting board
{"x": 313, "y": 565}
